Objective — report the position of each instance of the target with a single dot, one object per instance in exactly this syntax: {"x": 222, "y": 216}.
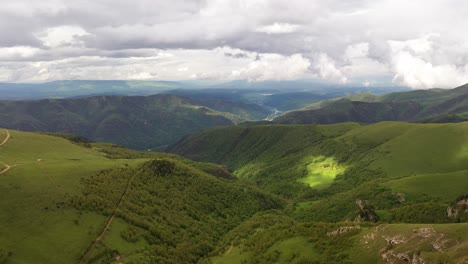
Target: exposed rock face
{"x": 401, "y": 198}
{"x": 342, "y": 230}
{"x": 366, "y": 212}
{"x": 458, "y": 208}
{"x": 402, "y": 248}
{"x": 424, "y": 232}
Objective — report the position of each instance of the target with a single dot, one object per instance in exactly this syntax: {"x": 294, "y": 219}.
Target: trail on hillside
{"x": 7, "y": 167}
{"x": 109, "y": 222}
{"x": 6, "y": 138}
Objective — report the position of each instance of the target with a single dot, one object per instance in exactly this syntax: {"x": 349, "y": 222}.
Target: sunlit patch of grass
{"x": 322, "y": 170}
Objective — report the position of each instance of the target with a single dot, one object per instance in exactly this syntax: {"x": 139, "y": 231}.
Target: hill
{"x": 138, "y": 122}
{"x": 292, "y": 191}
{"x": 398, "y": 173}
{"x": 397, "y": 168}
{"x": 84, "y": 88}
{"x": 99, "y": 203}
{"x": 427, "y": 106}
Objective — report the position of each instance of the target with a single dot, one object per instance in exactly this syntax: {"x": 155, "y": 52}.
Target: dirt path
{"x": 7, "y": 167}
{"x": 6, "y": 138}
{"x": 109, "y": 222}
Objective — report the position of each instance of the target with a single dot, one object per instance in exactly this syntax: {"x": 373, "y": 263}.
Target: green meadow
{"x": 36, "y": 226}
{"x": 322, "y": 171}
{"x": 275, "y": 197}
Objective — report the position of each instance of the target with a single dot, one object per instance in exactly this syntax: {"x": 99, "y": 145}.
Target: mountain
{"x": 139, "y": 122}
{"x": 83, "y": 88}
{"x": 99, "y": 203}
{"x": 427, "y": 106}
{"x": 291, "y": 198}
{"x": 285, "y": 95}
{"x": 340, "y": 179}
{"x": 327, "y": 168}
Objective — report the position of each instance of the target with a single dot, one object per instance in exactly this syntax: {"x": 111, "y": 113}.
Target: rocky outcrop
{"x": 342, "y": 230}
{"x": 459, "y": 207}
{"x": 366, "y": 212}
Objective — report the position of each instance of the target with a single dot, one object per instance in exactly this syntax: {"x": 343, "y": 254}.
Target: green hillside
{"x": 427, "y": 106}
{"x": 343, "y": 193}
{"x": 137, "y": 122}
{"x": 276, "y": 238}
{"x": 61, "y": 195}
{"x": 389, "y": 172}
{"x": 326, "y": 168}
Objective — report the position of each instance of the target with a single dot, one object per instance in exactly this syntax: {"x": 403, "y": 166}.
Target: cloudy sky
{"x": 418, "y": 43}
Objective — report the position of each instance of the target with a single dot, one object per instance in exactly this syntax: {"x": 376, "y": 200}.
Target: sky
{"x": 420, "y": 43}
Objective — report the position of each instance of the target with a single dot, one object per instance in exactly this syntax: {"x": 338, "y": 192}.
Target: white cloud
{"x": 274, "y": 67}
{"x": 18, "y": 52}
{"x": 278, "y": 28}
{"x": 416, "y": 64}
{"x": 327, "y": 70}
{"x": 62, "y": 36}
{"x": 418, "y": 73}
{"x": 420, "y": 43}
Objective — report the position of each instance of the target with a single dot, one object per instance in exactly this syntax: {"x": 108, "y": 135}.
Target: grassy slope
{"x": 275, "y": 238}
{"x": 60, "y": 196}
{"x": 378, "y": 158}
{"x": 435, "y": 105}
{"x": 33, "y": 223}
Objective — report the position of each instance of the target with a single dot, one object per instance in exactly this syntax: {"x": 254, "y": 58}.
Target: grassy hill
{"x": 389, "y": 172}
{"x": 62, "y": 195}
{"x": 325, "y": 169}
{"x": 343, "y": 193}
{"x": 137, "y": 122}
{"x": 277, "y": 238}
{"x": 427, "y": 106}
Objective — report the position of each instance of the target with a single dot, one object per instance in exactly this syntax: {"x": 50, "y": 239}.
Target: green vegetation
{"x": 136, "y": 122}
{"x": 430, "y": 106}
{"x": 322, "y": 171}
{"x": 62, "y": 193}
{"x": 373, "y": 163}
{"x": 342, "y": 193}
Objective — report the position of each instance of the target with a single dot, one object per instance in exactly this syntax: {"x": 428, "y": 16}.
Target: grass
{"x": 34, "y": 222}
{"x": 293, "y": 249}
{"x": 444, "y": 187}
{"x": 415, "y": 239}
{"x": 322, "y": 171}
{"x": 2, "y": 135}
{"x": 425, "y": 162}
{"x": 232, "y": 256}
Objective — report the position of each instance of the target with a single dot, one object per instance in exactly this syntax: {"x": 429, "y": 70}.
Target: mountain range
{"x": 427, "y": 106}
{"x": 383, "y": 180}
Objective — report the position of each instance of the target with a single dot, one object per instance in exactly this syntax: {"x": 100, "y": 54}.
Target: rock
{"x": 459, "y": 207}
{"x": 424, "y": 232}
{"x": 342, "y": 230}
{"x": 366, "y": 212}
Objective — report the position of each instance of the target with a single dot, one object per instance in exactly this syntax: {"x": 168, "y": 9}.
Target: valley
{"x": 233, "y": 132}
{"x": 231, "y": 188}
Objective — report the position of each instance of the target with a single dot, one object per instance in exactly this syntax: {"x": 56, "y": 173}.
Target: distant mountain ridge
{"x": 139, "y": 122}
{"x": 434, "y": 105}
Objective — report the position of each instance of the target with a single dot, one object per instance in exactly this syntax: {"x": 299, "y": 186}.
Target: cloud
{"x": 327, "y": 70}
{"x": 339, "y": 41}
{"x": 418, "y": 63}
{"x": 62, "y": 36}
{"x": 278, "y": 28}
{"x": 274, "y": 67}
